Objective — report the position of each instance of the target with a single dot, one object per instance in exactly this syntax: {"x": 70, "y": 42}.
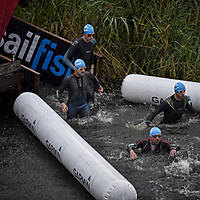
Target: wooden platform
{"x": 12, "y": 76}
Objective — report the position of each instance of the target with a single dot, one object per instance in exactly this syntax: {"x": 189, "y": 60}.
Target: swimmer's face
{"x": 180, "y": 94}
{"x": 155, "y": 139}
{"x": 81, "y": 71}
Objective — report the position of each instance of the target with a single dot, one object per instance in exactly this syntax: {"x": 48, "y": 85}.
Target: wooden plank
{"x": 36, "y": 84}
{"x": 27, "y": 68}
{"x": 36, "y": 75}
{"x": 30, "y": 70}
{"x": 10, "y": 67}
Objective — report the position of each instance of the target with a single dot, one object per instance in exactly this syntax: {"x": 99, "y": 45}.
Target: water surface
{"x": 29, "y": 171}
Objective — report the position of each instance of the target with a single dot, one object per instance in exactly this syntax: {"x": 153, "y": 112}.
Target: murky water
{"x": 29, "y": 171}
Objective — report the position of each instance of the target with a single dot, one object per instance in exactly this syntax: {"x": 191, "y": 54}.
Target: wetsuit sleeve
{"x": 189, "y": 105}
{"x": 70, "y": 54}
{"x": 168, "y": 147}
{"x": 131, "y": 147}
{"x": 165, "y": 146}
{"x": 60, "y": 90}
{"x": 157, "y": 110}
{"x": 174, "y": 146}
{"x": 67, "y": 61}
{"x": 95, "y": 81}
{"x": 139, "y": 144}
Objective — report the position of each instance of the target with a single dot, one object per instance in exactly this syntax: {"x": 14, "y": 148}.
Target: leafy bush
{"x": 152, "y": 37}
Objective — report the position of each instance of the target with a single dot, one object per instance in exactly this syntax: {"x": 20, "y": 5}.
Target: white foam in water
{"x": 137, "y": 167}
{"x": 183, "y": 167}
{"x": 104, "y": 116}
{"x": 107, "y": 139}
{"x": 177, "y": 169}
{"x": 84, "y": 120}
{"x": 187, "y": 192}
{"x": 193, "y": 120}
{"x": 116, "y": 155}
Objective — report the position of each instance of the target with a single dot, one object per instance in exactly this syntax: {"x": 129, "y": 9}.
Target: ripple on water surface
{"x": 29, "y": 171}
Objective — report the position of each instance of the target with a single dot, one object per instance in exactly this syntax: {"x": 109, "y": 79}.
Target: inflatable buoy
{"x": 98, "y": 177}
{"x": 150, "y": 89}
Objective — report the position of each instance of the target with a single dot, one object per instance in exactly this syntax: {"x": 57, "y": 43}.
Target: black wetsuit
{"x": 146, "y": 146}
{"x": 70, "y": 83}
{"x": 78, "y": 94}
{"x": 81, "y": 50}
{"x": 173, "y": 110}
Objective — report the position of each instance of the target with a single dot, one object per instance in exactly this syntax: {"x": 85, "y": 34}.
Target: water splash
{"x": 183, "y": 168}
{"x": 117, "y": 155}
{"x": 100, "y": 116}
{"x": 178, "y": 169}
{"x": 193, "y": 120}
{"x": 139, "y": 126}
{"x": 104, "y": 116}
{"x": 188, "y": 192}
{"x": 84, "y": 120}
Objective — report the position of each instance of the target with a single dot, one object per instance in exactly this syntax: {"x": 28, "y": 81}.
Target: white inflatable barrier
{"x": 150, "y": 89}
{"x": 98, "y": 177}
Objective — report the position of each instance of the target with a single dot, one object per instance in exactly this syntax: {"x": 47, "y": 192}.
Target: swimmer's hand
{"x": 64, "y": 107}
{"x": 133, "y": 155}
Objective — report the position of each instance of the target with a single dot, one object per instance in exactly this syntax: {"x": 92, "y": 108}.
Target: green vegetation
{"x": 152, "y": 37}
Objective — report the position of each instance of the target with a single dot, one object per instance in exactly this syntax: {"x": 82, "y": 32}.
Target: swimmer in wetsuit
{"x": 173, "y": 107}
{"x": 76, "y": 85}
{"x": 83, "y": 48}
{"x": 152, "y": 144}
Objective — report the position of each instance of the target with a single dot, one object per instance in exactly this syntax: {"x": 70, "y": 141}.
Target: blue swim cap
{"x": 179, "y": 87}
{"x": 79, "y": 63}
{"x": 154, "y": 131}
{"x": 88, "y": 29}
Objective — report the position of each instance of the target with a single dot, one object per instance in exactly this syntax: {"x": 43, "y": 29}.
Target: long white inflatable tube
{"x": 150, "y": 89}
{"x": 99, "y": 178}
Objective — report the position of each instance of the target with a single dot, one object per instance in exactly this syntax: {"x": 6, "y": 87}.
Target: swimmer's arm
{"x": 130, "y": 148}
{"x": 157, "y": 110}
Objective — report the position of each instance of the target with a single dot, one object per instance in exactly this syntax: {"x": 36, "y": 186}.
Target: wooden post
{"x": 36, "y": 83}
{"x": 19, "y": 88}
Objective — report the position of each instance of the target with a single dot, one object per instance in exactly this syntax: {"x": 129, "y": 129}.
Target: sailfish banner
{"x": 37, "y": 49}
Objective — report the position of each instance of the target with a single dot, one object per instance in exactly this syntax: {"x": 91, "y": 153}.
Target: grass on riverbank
{"x": 160, "y": 38}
